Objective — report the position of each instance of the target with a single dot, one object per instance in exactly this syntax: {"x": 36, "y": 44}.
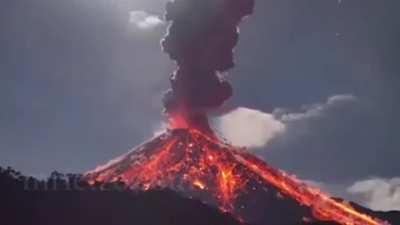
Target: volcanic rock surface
{"x": 201, "y": 166}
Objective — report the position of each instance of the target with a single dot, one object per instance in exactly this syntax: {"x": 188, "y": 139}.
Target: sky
{"x": 316, "y": 88}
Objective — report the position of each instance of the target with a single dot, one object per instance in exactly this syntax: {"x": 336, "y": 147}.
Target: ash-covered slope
{"x": 200, "y": 166}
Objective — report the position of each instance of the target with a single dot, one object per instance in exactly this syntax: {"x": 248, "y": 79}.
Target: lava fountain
{"x": 188, "y": 157}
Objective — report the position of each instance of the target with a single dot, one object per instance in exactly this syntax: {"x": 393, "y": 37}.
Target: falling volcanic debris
{"x": 193, "y": 160}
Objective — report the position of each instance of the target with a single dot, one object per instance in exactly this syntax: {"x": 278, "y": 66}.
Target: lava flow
{"x": 193, "y": 163}
{"x": 189, "y": 158}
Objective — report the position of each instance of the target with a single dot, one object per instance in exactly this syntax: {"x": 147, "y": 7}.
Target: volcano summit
{"x": 189, "y": 158}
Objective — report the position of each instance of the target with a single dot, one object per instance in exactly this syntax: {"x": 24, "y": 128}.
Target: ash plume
{"x": 201, "y": 39}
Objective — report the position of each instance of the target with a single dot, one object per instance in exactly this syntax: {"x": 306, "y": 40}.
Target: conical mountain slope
{"x": 203, "y": 167}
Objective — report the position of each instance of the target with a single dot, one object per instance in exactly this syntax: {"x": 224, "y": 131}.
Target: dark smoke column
{"x": 201, "y": 39}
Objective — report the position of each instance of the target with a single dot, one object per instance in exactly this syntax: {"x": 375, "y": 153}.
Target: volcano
{"x": 201, "y": 166}
{"x": 189, "y": 158}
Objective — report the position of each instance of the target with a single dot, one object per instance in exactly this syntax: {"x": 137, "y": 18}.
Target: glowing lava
{"x": 191, "y": 162}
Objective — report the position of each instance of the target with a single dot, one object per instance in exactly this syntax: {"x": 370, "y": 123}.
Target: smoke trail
{"x": 201, "y": 39}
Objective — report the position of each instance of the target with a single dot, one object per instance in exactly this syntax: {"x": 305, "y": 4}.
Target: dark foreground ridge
{"x": 67, "y": 200}
{"x": 101, "y": 206}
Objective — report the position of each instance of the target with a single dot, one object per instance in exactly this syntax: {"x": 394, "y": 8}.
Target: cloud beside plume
{"x": 378, "y": 193}
{"x": 144, "y": 20}
{"x": 318, "y": 109}
{"x": 255, "y": 129}
{"x": 249, "y": 128}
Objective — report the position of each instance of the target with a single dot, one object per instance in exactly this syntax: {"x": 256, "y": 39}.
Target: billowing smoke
{"x": 201, "y": 39}
{"x": 249, "y": 128}
{"x": 378, "y": 193}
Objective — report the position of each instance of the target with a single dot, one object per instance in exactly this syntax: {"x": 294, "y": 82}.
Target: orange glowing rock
{"x": 189, "y": 161}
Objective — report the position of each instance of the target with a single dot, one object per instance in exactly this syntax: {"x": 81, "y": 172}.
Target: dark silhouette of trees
{"x": 29, "y": 201}
{"x": 66, "y": 199}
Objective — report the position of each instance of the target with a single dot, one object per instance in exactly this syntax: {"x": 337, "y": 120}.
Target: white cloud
{"x": 144, "y": 20}
{"x": 378, "y": 193}
{"x": 249, "y": 128}
{"x": 317, "y": 109}
{"x": 255, "y": 129}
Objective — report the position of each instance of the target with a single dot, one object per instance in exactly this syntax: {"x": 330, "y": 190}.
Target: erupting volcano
{"x": 189, "y": 157}
{"x": 193, "y": 163}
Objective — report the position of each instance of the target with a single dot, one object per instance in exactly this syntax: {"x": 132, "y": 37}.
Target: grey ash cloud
{"x": 201, "y": 39}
